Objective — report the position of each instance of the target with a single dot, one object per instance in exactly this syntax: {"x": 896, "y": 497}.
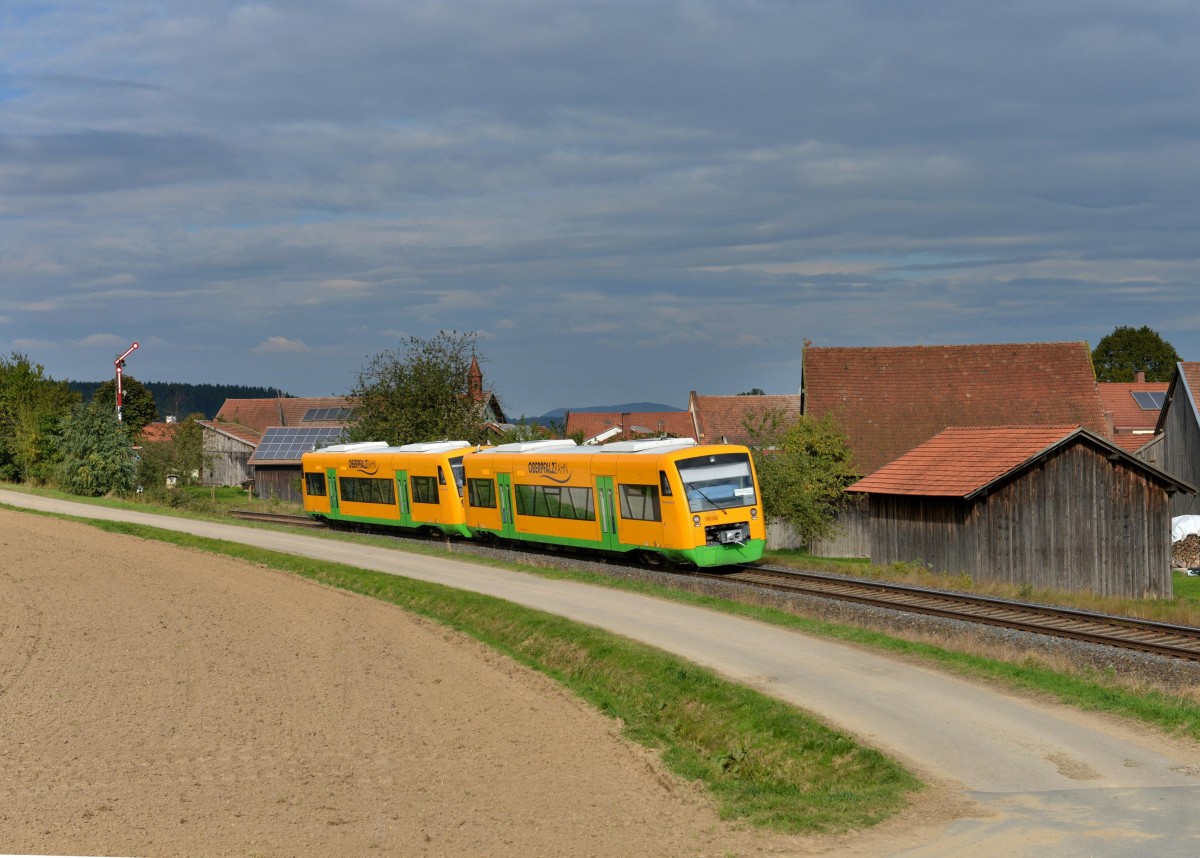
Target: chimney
{"x": 1139, "y": 377}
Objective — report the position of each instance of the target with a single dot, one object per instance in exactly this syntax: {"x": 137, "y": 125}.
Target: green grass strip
{"x": 764, "y": 761}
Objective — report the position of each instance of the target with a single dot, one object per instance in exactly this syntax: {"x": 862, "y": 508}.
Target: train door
{"x": 332, "y": 484}
{"x": 504, "y": 489}
{"x": 607, "y": 512}
{"x": 402, "y": 498}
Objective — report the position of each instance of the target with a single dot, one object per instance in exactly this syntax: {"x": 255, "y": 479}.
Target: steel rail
{"x": 1125, "y": 632}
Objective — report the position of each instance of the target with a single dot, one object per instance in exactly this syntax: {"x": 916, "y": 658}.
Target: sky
{"x": 627, "y": 200}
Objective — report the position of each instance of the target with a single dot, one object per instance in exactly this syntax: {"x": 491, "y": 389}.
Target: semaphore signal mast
{"x": 119, "y": 363}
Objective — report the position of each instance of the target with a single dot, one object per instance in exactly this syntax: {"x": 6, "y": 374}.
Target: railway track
{"x": 1124, "y": 632}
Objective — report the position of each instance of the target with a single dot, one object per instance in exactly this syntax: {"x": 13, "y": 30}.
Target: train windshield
{"x": 717, "y": 481}
{"x": 456, "y": 466}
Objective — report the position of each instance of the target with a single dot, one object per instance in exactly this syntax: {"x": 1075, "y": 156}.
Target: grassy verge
{"x": 1182, "y": 608}
{"x": 764, "y": 761}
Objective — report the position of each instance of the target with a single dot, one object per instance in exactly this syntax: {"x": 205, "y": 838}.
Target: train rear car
{"x": 411, "y": 486}
{"x": 664, "y": 498}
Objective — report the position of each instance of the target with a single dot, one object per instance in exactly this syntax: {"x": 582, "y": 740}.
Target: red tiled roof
{"x": 1131, "y": 442}
{"x": 1191, "y": 374}
{"x": 725, "y": 417}
{"x": 592, "y": 423}
{"x": 1118, "y": 400}
{"x": 889, "y": 400}
{"x": 958, "y": 462}
{"x": 153, "y": 433}
{"x": 261, "y": 414}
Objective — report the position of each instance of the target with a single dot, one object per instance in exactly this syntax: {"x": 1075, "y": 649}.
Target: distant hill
{"x": 559, "y": 415}
{"x": 183, "y": 399}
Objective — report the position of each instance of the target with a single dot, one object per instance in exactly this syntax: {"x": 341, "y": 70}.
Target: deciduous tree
{"x": 418, "y": 392}
{"x": 32, "y": 408}
{"x": 1128, "y": 350}
{"x": 137, "y": 402}
{"x": 803, "y": 467}
{"x": 97, "y": 453}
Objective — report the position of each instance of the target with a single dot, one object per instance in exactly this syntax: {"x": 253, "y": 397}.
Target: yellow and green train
{"x": 662, "y": 499}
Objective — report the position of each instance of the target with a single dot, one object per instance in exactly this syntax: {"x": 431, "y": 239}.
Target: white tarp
{"x": 1184, "y": 525}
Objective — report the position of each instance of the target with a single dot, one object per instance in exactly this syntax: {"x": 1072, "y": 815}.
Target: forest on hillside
{"x": 180, "y": 400}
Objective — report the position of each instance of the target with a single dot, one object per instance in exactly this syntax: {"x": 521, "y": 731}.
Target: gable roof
{"x": 723, "y": 418}
{"x": 889, "y": 400}
{"x": 261, "y": 414}
{"x": 1184, "y": 387}
{"x": 965, "y": 461}
{"x": 592, "y": 423}
{"x": 234, "y": 430}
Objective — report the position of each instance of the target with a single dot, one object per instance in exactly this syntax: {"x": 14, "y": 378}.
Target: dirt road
{"x": 1045, "y": 779}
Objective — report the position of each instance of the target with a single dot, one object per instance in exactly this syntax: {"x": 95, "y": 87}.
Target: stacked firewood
{"x": 1185, "y": 554}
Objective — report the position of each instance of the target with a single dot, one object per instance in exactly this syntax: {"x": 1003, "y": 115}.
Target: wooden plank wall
{"x": 852, "y": 537}
{"x": 1075, "y": 522}
{"x": 278, "y": 481}
{"x": 225, "y": 460}
{"x": 1181, "y": 450}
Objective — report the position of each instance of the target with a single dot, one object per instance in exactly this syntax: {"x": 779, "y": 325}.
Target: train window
{"x": 424, "y": 489}
{"x": 717, "y": 481}
{"x": 482, "y": 493}
{"x": 314, "y": 485}
{"x": 367, "y": 490}
{"x": 664, "y": 484}
{"x": 456, "y": 467}
{"x": 556, "y": 502}
{"x": 640, "y": 502}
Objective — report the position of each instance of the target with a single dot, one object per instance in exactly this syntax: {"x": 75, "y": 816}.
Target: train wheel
{"x": 651, "y": 558}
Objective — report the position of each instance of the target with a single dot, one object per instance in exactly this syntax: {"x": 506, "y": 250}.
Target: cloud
{"x": 280, "y": 345}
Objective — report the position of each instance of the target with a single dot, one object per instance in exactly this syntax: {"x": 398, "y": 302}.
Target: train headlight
{"x": 696, "y": 520}
{"x": 754, "y": 513}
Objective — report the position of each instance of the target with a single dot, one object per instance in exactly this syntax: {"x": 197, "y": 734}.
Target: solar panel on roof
{"x": 289, "y": 443}
{"x": 1149, "y": 400}
{"x": 313, "y": 415}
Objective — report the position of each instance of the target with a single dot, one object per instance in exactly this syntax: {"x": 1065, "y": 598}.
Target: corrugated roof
{"x": 725, "y": 417}
{"x": 889, "y": 400}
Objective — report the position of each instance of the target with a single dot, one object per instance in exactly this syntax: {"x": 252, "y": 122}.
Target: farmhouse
{"x": 1132, "y": 409}
{"x": 1055, "y": 507}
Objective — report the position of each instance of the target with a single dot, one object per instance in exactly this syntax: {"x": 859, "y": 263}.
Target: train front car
{"x": 663, "y": 498}
{"x": 715, "y": 506}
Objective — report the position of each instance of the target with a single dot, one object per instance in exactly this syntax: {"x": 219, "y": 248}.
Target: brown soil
{"x": 156, "y": 701}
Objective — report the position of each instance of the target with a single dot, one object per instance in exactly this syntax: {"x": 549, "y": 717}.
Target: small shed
{"x": 1051, "y": 507}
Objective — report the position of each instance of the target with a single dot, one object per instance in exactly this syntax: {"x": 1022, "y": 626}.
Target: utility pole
{"x": 119, "y": 363}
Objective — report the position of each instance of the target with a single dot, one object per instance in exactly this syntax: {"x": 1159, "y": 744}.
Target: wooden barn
{"x": 1057, "y": 508}
{"x": 1178, "y": 432}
